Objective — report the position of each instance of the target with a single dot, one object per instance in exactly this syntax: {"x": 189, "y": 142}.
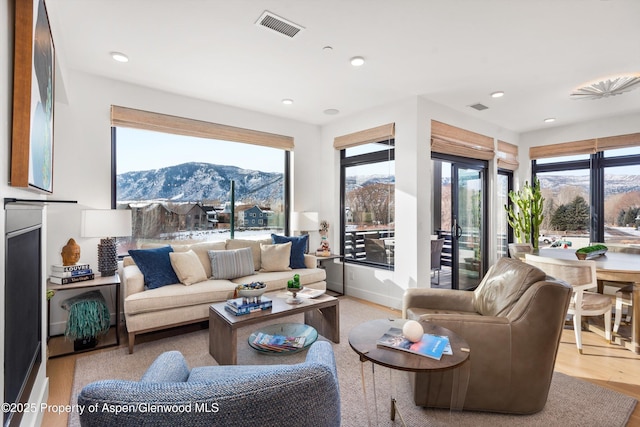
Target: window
{"x": 504, "y": 231}
{"x": 368, "y": 196}
{"x": 591, "y": 198}
{"x": 179, "y": 187}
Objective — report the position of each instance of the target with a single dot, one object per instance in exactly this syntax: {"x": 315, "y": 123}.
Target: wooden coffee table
{"x": 362, "y": 340}
{"x": 323, "y": 313}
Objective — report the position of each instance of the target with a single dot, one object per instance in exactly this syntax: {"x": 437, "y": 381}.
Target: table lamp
{"x": 107, "y": 224}
{"x": 304, "y": 222}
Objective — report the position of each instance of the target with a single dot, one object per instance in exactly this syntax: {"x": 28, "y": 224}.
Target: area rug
{"x": 571, "y": 402}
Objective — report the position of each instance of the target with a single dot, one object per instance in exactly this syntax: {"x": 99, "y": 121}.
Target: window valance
{"x": 447, "y": 139}
{"x": 587, "y": 146}
{"x": 507, "y": 156}
{"x": 376, "y": 134}
{"x": 157, "y": 122}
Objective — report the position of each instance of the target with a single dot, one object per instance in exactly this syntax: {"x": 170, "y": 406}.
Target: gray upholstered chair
{"x": 304, "y": 394}
{"x": 513, "y": 322}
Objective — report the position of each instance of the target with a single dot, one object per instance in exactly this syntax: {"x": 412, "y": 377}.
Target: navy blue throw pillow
{"x": 155, "y": 265}
{"x": 298, "y": 248}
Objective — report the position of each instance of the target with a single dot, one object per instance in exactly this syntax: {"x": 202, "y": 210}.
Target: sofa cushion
{"x": 231, "y": 264}
{"x": 503, "y": 285}
{"x": 253, "y": 244}
{"x": 298, "y": 248}
{"x": 275, "y": 257}
{"x": 177, "y": 296}
{"x": 155, "y": 265}
{"x": 202, "y": 250}
{"x": 187, "y": 267}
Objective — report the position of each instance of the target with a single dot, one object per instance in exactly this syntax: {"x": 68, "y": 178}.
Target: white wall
{"x": 413, "y": 222}
{"x": 40, "y": 390}
{"x": 82, "y": 164}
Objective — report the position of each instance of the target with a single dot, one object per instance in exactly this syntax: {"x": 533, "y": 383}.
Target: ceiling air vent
{"x": 479, "y": 107}
{"x": 279, "y": 25}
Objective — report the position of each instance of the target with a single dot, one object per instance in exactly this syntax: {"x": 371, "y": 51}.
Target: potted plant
{"x": 525, "y": 213}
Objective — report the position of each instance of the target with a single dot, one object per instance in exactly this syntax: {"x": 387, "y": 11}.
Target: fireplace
{"x": 23, "y": 303}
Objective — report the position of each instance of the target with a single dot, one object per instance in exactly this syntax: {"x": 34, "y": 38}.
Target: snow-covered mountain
{"x": 201, "y": 181}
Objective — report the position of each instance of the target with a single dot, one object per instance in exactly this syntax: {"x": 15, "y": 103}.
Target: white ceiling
{"x": 452, "y": 52}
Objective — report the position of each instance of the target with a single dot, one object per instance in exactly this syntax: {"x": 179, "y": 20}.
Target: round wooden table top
{"x": 363, "y": 337}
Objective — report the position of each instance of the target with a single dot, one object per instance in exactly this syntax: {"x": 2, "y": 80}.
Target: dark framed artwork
{"x": 33, "y": 98}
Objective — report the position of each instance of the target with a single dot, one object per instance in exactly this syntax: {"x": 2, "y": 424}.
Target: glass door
{"x": 460, "y": 191}
{"x": 467, "y": 220}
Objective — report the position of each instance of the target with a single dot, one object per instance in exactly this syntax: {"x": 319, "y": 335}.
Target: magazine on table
{"x": 433, "y": 346}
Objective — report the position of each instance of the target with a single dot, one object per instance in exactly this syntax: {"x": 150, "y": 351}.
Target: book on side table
{"x": 65, "y": 274}
{"x": 433, "y": 346}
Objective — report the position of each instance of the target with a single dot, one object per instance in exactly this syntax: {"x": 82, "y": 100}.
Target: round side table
{"x": 362, "y": 340}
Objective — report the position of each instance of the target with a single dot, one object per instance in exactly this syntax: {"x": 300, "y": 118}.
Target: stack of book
{"x": 65, "y": 274}
{"x": 279, "y": 343}
{"x": 240, "y": 306}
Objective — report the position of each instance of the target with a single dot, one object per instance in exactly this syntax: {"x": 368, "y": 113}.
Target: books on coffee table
{"x": 433, "y": 346}
{"x": 240, "y": 306}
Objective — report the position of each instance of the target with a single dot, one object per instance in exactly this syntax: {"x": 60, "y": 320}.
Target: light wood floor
{"x": 607, "y": 365}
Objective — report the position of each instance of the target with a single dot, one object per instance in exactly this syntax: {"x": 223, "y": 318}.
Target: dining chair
{"x": 624, "y": 293}
{"x": 436, "y": 257}
{"x": 517, "y": 250}
{"x": 624, "y": 297}
{"x": 581, "y": 275}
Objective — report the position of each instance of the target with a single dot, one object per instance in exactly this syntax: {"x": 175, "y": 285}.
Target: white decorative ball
{"x": 412, "y": 331}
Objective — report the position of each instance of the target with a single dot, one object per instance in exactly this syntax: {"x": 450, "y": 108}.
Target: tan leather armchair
{"x": 513, "y": 322}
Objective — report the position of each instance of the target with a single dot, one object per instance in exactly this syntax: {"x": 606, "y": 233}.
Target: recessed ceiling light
{"x": 331, "y": 111}
{"x": 287, "y": 101}
{"x": 498, "y": 94}
{"x": 327, "y": 48}
{"x": 550, "y": 120}
{"x": 120, "y": 57}
{"x": 357, "y": 61}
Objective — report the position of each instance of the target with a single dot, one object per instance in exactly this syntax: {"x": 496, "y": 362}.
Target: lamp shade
{"x": 304, "y": 221}
{"x": 106, "y": 223}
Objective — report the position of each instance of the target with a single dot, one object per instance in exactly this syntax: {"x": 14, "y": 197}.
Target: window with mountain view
{"x": 179, "y": 187}
{"x": 368, "y": 188}
{"x": 606, "y": 183}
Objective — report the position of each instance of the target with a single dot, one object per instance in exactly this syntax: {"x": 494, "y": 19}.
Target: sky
{"x": 138, "y": 150}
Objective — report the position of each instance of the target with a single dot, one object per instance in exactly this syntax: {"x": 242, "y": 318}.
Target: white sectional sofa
{"x": 177, "y": 304}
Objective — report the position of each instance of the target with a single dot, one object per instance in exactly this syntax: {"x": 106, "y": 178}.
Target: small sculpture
{"x": 70, "y": 253}
{"x": 324, "y": 249}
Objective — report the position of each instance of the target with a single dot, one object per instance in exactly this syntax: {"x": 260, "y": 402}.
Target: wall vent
{"x": 479, "y": 107}
{"x": 278, "y": 24}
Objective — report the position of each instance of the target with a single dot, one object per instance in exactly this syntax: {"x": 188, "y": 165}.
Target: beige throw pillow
{"x": 188, "y": 267}
{"x": 275, "y": 257}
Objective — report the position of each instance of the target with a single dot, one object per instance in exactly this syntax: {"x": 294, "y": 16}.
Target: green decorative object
{"x": 525, "y": 213}
{"x": 88, "y": 316}
{"x": 591, "y": 251}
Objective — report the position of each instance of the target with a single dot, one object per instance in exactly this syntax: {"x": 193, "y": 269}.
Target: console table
{"x": 58, "y": 344}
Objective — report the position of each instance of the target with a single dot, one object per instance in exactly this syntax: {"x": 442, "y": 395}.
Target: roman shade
{"x": 157, "y": 122}
{"x": 620, "y": 141}
{"x": 447, "y": 139}
{"x": 376, "y": 134}
{"x": 587, "y": 146}
{"x": 507, "y": 156}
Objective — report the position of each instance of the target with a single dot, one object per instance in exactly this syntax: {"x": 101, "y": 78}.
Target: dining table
{"x": 614, "y": 267}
